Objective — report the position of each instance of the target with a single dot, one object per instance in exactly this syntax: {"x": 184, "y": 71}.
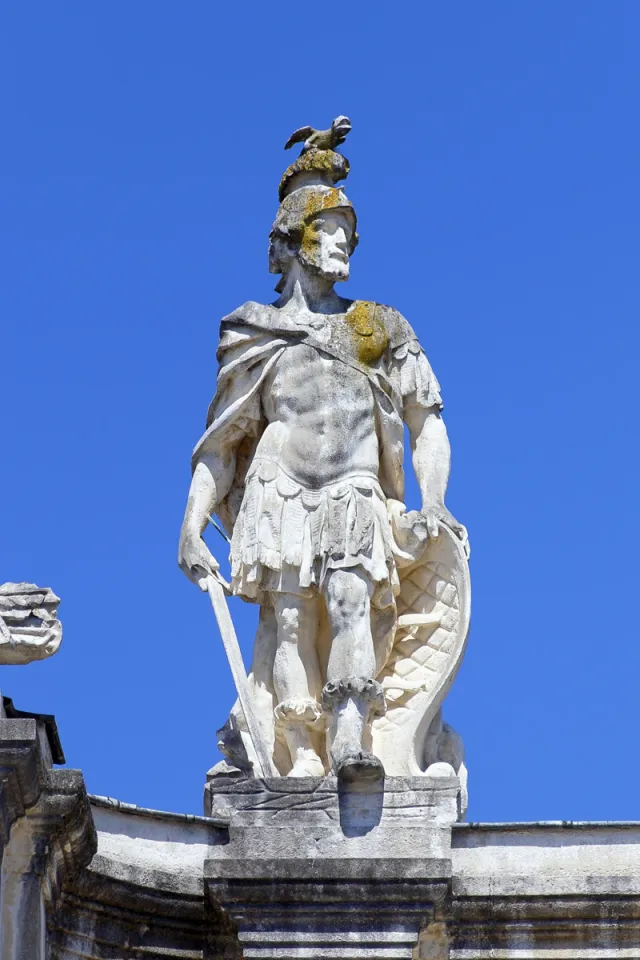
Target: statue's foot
{"x": 298, "y": 720}
{"x": 359, "y": 766}
{"x": 307, "y": 764}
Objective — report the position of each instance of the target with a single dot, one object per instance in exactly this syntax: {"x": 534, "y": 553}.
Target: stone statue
{"x": 364, "y": 604}
{"x": 29, "y": 625}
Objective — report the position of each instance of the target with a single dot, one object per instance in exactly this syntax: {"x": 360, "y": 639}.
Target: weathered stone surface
{"x": 168, "y": 885}
{"x": 29, "y": 625}
{"x": 143, "y": 894}
{"x": 545, "y": 890}
{"x": 21, "y": 770}
{"x": 320, "y": 868}
{"x": 281, "y": 802}
{"x": 46, "y": 832}
{"x": 303, "y": 462}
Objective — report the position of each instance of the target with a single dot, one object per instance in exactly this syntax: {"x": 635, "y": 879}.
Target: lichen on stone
{"x": 368, "y": 331}
{"x": 327, "y": 164}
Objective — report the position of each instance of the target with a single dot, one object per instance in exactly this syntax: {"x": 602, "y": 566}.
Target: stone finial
{"x": 29, "y": 625}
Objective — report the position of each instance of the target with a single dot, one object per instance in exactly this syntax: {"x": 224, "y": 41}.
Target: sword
{"x": 216, "y": 587}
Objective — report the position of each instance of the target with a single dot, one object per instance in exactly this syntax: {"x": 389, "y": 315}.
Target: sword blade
{"x": 236, "y": 663}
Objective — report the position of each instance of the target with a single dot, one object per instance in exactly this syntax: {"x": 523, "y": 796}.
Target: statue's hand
{"x": 438, "y": 513}
{"x": 195, "y": 559}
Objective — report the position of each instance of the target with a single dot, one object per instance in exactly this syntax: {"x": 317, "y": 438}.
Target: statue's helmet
{"x": 307, "y": 189}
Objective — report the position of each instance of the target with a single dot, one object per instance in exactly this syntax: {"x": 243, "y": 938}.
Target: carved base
{"x": 326, "y": 868}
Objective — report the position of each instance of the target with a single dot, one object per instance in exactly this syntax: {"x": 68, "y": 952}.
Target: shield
{"x": 434, "y": 607}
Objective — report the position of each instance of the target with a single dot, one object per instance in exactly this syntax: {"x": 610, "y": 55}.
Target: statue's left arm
{"x": 431, "y": 454}
{"x": 422, "y": 413}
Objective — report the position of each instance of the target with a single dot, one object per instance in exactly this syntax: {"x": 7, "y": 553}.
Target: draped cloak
{"x": 254, "y": 337}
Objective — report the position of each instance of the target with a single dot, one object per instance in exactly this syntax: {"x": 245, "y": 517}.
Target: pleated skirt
{"x": 286, "y": 538}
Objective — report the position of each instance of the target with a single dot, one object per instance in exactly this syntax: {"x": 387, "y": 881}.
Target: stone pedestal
{"x": 313, "y": 869}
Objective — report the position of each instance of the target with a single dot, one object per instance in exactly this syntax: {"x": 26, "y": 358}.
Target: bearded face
{"x": 325, "y": 245}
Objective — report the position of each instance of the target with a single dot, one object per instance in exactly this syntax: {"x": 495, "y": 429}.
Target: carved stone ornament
{"x": 29, "y": 626}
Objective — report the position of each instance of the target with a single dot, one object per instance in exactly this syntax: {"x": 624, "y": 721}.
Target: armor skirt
{"x": 286, "y": 537}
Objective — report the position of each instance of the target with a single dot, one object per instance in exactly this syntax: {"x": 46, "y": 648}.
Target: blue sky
{"x": 495, "y": 158}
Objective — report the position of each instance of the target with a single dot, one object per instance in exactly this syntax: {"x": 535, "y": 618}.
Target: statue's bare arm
{"x": 431, "y": 455}
{"x": 211, "y": 481}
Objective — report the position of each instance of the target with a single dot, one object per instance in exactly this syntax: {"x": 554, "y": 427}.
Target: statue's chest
{"x": 360, "y": 333}
{"x": 309, "y": 386}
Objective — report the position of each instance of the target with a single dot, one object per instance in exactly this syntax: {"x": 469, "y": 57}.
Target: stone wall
{"x": 300, "y": 869}
{"x": 553, "y": 891}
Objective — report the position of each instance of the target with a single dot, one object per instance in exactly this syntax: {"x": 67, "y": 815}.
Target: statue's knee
{"x": 288, "y": 620}
{"x": 347, "y": 594}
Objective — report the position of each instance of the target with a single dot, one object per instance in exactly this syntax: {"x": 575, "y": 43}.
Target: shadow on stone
{"x": 360, "y": 805}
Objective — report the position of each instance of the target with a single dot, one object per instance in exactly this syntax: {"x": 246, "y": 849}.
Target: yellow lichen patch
{"x": 315, "y": 202}
{"x": 309, "y": 238}
{"x": 318, "y": 200}
{"x": 325, "y": 161}
{"x": 328, "y": 164}
{"x": 368, "y": 331}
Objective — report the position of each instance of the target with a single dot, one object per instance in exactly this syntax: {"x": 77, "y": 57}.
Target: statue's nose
{"x": 341, "y": 240}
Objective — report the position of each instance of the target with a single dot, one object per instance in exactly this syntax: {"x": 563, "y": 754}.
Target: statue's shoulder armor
{"x": 251, "y": 314}
{"x": 245, "y": 328}
{"x": 397, "y": 329}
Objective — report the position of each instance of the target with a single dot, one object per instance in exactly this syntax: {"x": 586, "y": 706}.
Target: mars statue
{"x": 364, "y": 603}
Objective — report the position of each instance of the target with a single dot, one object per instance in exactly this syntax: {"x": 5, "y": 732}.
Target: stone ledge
{"x": 110, "y": 803}
{"x": 160, "y": 881}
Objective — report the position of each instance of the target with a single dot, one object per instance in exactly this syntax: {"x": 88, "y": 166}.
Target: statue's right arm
{"x": 211, "y": 481}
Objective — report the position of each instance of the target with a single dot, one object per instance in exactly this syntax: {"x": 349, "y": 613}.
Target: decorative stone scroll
{"x": 29, "y": 625}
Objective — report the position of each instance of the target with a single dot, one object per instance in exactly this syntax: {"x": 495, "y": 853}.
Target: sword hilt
{"x": 202, "y": 583}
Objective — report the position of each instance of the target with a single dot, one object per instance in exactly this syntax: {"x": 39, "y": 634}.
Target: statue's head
{"x": 316, "y": 223}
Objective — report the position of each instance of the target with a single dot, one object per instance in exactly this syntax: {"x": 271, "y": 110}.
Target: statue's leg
{"x": 296, "y": 677}
{"x": 351, "y": 696}
{"x": 348, "y": 599}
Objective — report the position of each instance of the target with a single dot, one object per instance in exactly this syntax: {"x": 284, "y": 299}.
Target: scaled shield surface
{"x": 425, "y": 656}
